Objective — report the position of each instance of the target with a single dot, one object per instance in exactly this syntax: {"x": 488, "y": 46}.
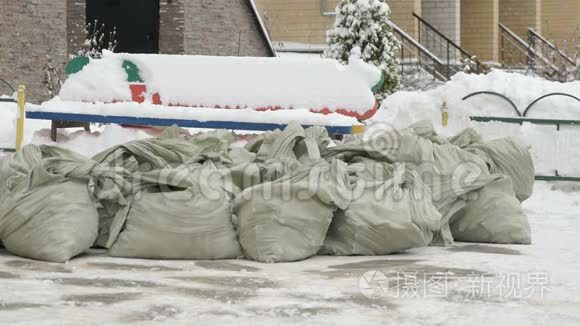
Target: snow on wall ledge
{"x": 245, "y": 82}
{"x": 551, "y": 149}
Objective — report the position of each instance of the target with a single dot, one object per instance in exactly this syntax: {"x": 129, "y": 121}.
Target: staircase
{"x": 431, "y": 59}
{"x": 536, "y": 55}
{"x": 454, "y": 57}
{"x": 566, "y": 66}
{"x": 417, "y": 63}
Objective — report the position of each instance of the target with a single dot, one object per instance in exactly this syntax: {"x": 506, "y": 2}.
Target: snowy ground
{"x": 468, "y": 284}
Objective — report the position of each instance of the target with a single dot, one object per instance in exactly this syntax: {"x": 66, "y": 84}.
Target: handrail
{"x": 551, "y": 45}
{"x": 527, "y": 46}
{"x": 425, "y": 58}
{"x": 421, "y": 48}
{"x": 443, "y": 36}
{"x": 513, "y": 35}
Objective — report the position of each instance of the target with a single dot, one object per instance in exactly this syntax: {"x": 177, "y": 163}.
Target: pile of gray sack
{"x": 284, "y": 196}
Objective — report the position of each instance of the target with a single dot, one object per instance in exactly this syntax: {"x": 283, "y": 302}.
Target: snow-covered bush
{"x": 52, "y": 77}
{"x": 364, "y": 24}
{"x": 93, "y": 39}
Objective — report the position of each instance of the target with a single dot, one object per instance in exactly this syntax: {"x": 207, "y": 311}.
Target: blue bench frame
{"x": 141, "y": 121}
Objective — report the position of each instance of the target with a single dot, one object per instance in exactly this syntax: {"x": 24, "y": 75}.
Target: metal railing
{"x": 524, "y": 118}
{"x": 453, "y": 56}
{"x": 566, "y": 65}
{"x": 413, "y": 53}
{"x": 516, "y": 53}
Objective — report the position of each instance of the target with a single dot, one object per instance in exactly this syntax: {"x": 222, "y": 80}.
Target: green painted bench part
{"x": 77, "y": 64}
{"x": 132, "y": 72}
{"x": 379, "y": 85}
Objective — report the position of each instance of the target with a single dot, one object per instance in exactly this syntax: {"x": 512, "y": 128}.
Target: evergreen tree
{"x": 364, "y": 24}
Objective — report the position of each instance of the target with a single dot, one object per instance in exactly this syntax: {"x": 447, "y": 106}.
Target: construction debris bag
{"x": 465, "y": 138}
{"x": 48, "y": 203}
{"x": 506, "y": 156}
{"x": 278, "y": 153}
{"x": 181, "y": 213}
{"x": 449, "y": 171}
{"x": 492, "y": 214}
{"x": 391, "y": 211}
{"x": 287, "y": 219}
{"x": 170, "y": 150}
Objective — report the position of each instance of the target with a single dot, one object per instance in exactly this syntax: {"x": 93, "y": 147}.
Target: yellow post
{"x": 444, "y": 115}
{"x": 21, "y": 116}
{"x": 358, "y": 129}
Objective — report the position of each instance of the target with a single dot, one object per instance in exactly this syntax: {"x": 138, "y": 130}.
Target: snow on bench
{"x": 317, "y": 85}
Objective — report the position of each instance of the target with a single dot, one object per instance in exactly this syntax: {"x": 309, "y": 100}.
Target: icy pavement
{"x": 468, "y": 284}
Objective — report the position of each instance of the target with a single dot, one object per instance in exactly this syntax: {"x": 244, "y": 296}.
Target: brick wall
{"x": 171, "y": 26}
{"x": 479, "y": 28}
{"x": 222, "y": 27}
{"x": 444, "y": 15}
{"x": 29, "y": 30}
{"x": 76, "y": 11}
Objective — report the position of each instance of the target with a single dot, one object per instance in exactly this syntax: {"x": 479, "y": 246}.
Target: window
{"x": 327, "y": 7}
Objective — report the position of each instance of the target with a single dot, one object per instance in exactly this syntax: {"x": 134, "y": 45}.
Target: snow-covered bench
{"x": 240, "y": 93}
{"x": 141, "y": 114}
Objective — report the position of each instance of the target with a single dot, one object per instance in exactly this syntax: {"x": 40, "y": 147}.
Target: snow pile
{"x": 206, "y": 81}
{"x": 101, "y": 80}
{"x": 551, "y": 149}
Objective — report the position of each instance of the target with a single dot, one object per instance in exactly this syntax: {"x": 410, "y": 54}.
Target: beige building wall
{"x": 302, "y": 21}
{"x": 306, "y": 21}
{"x": 560, "y": 21}
{"x": 520, "y": 15}
{"x": 402, "y": 15}
{"x": 479, "y": 28}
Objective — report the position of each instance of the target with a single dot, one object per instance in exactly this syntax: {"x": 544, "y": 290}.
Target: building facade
{"x": 34, "y": 32}
{"x": 472, "y": 24}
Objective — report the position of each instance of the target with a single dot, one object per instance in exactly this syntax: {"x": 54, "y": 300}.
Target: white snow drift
{"x": 551, "y": 149}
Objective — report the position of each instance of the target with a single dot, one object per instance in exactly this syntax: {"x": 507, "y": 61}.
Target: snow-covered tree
{"x": 364, "y": 24}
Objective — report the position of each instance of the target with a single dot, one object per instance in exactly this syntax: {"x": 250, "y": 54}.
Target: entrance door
{"x": 136, "y": 23}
